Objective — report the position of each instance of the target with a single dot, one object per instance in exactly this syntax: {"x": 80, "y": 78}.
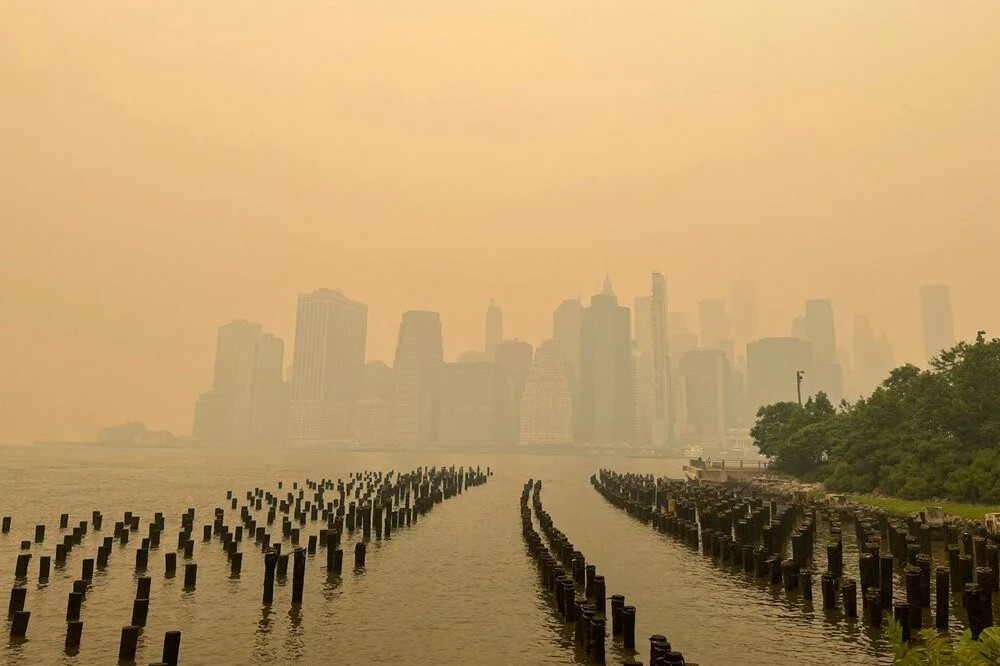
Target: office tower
{"x": 248, "y": 399}
{"x": 713, "y": 326}
{"x": 376, "y": 381}
{"x": 644, "y": 391}
{"x": 370, "y": 416}
{"x": 212, "y": 417}
{"x": 819, "y": 330}
{"x": 546, "y": 402}
{"x": 513, "y": 358}
{"x": 771, "y": 367}
{"x": 872, "y": 358}
{"x": 652, "y": 371}
{"x": 606, "y": 371}
{"x": 566, "y": 322}
{"x": 743, "y": 309}
{"x": 416, "y": 373}
{"x": 473, "y": 402}
{"x": 328, "y": 366}
{"x": 269, "y": 414}
{"x": 662, "y": 426}
{"x": 235, "y": 358}
{"x": 494, "y": 329}
{"x": 936, "y": 316}
{"x": 704, "y": 373}
{"x": 680, "y": 337}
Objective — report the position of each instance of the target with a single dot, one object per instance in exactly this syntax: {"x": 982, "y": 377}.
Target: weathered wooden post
{"x": 190, "y": 575}
{"x": 941, "y": 594}
{"x": 171, "y": 648}
{"x": 359, "y": 555}
{"x": 128, "y": 644}
{"x": 298, "y": 575}
{"x": 73, "y": 606}
{"x": 19, "y": 624}
{"x": 849, "y": 591}
{"x": 628, "y": 627}
{"x": 74, "y": 632}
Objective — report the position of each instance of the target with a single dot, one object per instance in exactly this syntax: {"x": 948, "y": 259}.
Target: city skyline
{"x": 874, "y": 355}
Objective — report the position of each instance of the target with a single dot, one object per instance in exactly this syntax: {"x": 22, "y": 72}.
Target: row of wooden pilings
{"x": 742, "y": 527}
{"x": 579, "y": 592}
{"x": 388, "y": 501}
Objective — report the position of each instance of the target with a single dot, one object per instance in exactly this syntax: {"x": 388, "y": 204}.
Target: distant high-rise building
{"x": 416, "y": 375}
{"x": 328, "y": 365}
{"x": 820, "y": 333}
{"x": 472, "y": 356}
{"x": 798, "y": 329}
{"x": 662, "y": 381}
{"x": 494, "y": 329}
{"x": 566, "y": 322}
{"x": 546, "y": 402}
{"x": 606, "y": 371}
{"x": 704, "y": 372}
{"x": 713, "y": 326}
{"x": 248, "y": 397}
{"x": 653, "y": 383}
{"x": 513, "y": 358}
{"x": 936, "y": 316}
{"x": 269, "y": 413}
{"x": 743, "y": 310}
{"x": 370, "y": 416}
{"x": 645, "y": 373}
{"x": 771, "y": 367}
{"x": 376, "y": 381}
{"x": 235, "y": 362}
{"x": 680, "y": 337}
{"x": 872, "y": 358}
{"x": 473, "y": 400}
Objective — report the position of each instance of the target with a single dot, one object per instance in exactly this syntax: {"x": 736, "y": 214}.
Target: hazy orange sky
{"x": 167, "y": 167}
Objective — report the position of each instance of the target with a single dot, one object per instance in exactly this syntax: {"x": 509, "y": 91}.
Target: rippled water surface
{"x": 456, "y": 588}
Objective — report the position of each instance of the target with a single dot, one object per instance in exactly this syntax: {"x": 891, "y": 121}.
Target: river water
{"x": 457, "y": 588}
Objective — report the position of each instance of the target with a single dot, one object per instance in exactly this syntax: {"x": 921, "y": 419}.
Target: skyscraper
{"x": 872, "y": 358}
{"x": 248, "y": 397}
{"x": 820, "y": 332}
{"x": 606, "y": 370}
{"x": 743, "y": 309}
{"x": 370, "y": 417}
{"x": 662, "y": 382}
{"x": 566, "y": 322}
{"x": 645, "y": 375}
{"x": 269, "y": 412}
{"x": 416, "y": 376}
{"x": 652, "y": 370}
{"x": 235, "y": 362}
{"x": 936, "y": 316}
{"x": 713, "y": 326}
{"x": 771, "y": 367}
{"x": 704, "y": 372}
{"x": 328, "y": 365}
{"x": 473, "y": 401}
{"x": 546, "y": 403}
{"x": 513, "y": 358}
{"x": 494, "y": 329}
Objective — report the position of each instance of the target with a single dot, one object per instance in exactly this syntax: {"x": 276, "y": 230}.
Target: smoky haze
{"x": 169, "y": 167}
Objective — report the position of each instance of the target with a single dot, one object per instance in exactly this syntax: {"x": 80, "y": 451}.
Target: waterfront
{"x": 457, "y": 588}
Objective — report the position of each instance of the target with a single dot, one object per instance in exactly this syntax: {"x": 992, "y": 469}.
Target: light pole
{"x": 798, "y": 384}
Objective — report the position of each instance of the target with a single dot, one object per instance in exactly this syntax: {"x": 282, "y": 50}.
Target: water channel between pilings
{"x": 459, "y": 583}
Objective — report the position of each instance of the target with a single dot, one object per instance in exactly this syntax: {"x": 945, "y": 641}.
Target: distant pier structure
{"x": 721, "y": 471}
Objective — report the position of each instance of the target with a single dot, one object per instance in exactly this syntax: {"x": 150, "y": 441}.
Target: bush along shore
{"x": 921, "y": 434}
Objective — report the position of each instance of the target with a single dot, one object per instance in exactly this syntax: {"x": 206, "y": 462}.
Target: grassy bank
{"x": 904, "y": 507}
